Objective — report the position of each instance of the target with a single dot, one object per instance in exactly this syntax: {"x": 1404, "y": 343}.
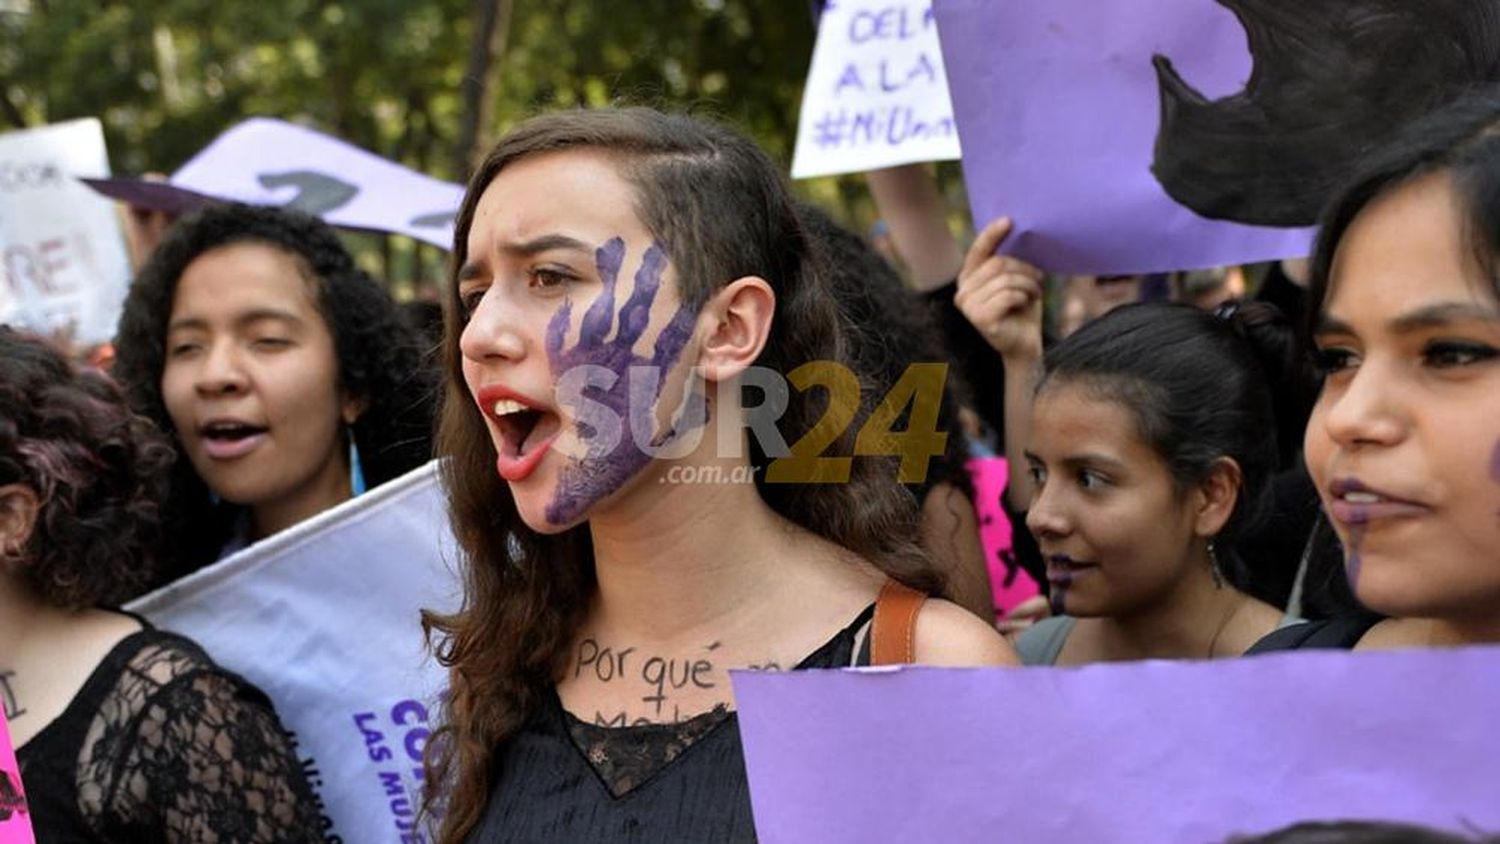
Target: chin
{"x": 532, "y": 509}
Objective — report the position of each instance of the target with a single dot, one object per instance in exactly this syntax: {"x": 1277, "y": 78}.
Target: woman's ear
{"x": 735, "y": 323}
{"x": 1216, "y": 496}
{"x": 18, "y": 511}
{"x": 351, "y": 408}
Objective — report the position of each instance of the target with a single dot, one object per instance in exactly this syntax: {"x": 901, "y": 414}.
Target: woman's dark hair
{"x": 98, "y": 470}
{"x": 723, "y": 212}
{"x": 379, "y": 357}
{"x": 1202, "y": 386}
{"x": 1462, "y": 138}
{"x": 888, "y": 327}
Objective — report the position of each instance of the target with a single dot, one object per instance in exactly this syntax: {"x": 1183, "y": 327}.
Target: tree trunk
{"x": 491, "y": 26}
{"x": 12, "y": 111}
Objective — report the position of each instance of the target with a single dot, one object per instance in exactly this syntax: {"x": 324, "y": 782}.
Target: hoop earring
{"x": 1213, "y": 566}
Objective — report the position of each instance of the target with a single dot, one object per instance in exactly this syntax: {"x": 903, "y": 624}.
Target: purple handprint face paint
{"x": 575, "y": 337}
{"x": 623, "y": 399}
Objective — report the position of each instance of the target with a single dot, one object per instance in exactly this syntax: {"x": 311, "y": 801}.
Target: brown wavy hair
{"x": 98, "y": 470}
{"x": 722, "y": 211}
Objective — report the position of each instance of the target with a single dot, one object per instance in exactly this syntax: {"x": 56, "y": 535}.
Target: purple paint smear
{"x": 1155, "y": 751}
{"x": 1495, "y": 464}
{"x": 1059, "y": 598}
{"x": 1353, "y": 558}
{"x": 587, "y": 480}
{"x": 1057, "y": 110}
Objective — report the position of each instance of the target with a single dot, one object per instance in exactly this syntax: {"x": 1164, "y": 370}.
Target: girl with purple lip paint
{"x": 604, "y": 602}
{"x": 1151, "y": 447}
{"x": 1405, "y": 326}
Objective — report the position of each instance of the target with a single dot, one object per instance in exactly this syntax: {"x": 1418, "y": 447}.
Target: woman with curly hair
{"x": 123, "y": 732}
{"x": 285, "y": 374}
{"x": 619, "y": 275}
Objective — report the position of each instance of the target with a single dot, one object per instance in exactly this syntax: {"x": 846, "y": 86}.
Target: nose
{"x": 1047, "y": 518}
{"x": 1362, "y": 410}
{"x": 491, "y": 332}
{"x": 222, "y": 372}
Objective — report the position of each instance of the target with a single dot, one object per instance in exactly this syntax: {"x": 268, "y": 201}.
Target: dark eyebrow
{"x": 1085, "y": 459}
{"x": 1429, "y": 316}
{"x": 187, "y": 323}
{"x": 1331, "y": 325}
{"x": 545, "y": 243}
{"x": 1443, "y": 313}
{"x": 1092, "y": 459}
{"x": 469, "y": 272}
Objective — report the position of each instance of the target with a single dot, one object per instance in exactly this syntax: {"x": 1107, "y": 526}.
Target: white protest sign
{"x": 324, "y": 618}
{"x": 876, "y": 94}
{"x": 264, "y": 161}
{"x": 65, "y": 267}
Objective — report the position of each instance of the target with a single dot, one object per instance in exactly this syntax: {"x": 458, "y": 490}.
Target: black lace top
{"x": 564, "y": 779}
{"x": 162, "y": 745}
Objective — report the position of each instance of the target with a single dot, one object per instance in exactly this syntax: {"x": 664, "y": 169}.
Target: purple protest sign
{"x": 1058, "y": 110}
{"x": 263, "y": 161}
{"x": 1139, "y": 752}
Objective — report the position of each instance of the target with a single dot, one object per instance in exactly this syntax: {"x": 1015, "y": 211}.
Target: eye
{"x": 1089, "y": 479}
{"x": 468, "y": 300}
{"x": 1445, "y": 354}
{"x": 1333, "y": 359}
{"x": 271, "y": 344}
{"x": 547, "y": 278}
{"x": 177, "y": 350}
{"x": 1038, "y": 474}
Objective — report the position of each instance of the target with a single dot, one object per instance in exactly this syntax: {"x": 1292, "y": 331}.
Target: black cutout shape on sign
{"x": 317, "y": 193}
{"x": 434, "y": 221}
{"x": 1330, "y": 79}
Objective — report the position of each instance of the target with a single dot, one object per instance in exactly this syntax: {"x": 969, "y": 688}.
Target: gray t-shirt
{"x": 1040, "y": 643}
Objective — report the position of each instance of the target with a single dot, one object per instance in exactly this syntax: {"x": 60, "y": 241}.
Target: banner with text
{"x": 876, "y": 93}
{"x": 66, "y": 271}
{"x": 324, "y": 618}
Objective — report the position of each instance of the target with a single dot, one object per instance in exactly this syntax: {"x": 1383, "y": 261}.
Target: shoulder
{"x": 1338, "y": 633}
{"x": 948, "y": 635}
{"x": 173, "y": 678}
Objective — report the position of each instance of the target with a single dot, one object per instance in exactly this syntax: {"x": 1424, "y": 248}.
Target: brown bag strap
{"x": 893, "y": 632}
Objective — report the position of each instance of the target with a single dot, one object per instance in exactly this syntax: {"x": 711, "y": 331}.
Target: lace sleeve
{"x": 203, "y": 758}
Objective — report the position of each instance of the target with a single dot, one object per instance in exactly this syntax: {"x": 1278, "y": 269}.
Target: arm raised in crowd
{"x": 1002, "y": 297}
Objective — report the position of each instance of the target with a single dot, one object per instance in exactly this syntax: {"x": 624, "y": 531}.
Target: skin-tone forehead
{"x": 247, "y": 278}
{"x": 1082, "y": 426}
{"x": 1405, "y": 251}
{"x": 577, "y": 194}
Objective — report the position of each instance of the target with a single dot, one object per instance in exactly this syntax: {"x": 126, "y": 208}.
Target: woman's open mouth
{"x": 526, "y": 431}
{"x": 229, "y": 439}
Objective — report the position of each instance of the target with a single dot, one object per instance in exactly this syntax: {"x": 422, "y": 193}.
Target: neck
{"x": 22, "y": 611}
{"x": 668, "y": 563}
{"x": 1186, "y": 623}
{"x": 327, "y": 489}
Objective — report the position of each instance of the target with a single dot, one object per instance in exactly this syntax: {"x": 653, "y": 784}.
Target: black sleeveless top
{"x": 1341, "y": 633}
{"x": 560, "y": 779}
{"x": 163, "y": 745}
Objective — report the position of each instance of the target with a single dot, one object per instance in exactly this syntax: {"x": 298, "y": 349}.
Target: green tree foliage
{"x": 167, "y": 76}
